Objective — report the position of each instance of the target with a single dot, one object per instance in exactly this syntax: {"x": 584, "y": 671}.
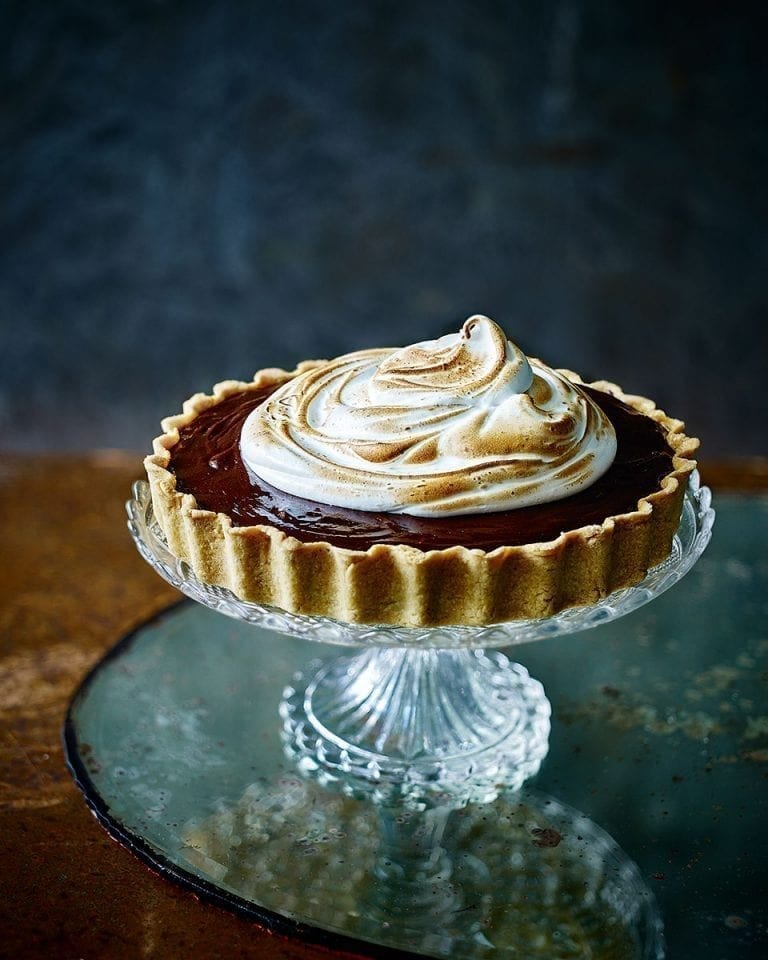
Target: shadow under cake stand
{"x": 401, "y": 742}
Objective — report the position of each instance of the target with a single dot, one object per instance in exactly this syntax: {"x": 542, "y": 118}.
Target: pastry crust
{"x": 399, "y": 584}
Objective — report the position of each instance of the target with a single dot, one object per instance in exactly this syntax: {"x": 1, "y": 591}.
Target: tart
{"x": 452, "y": 482}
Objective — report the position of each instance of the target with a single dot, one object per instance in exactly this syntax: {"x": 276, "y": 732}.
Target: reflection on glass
{"x": 523, "y": 876}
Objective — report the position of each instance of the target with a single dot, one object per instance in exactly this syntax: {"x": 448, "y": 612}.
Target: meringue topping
{"x": 463, "y": 424}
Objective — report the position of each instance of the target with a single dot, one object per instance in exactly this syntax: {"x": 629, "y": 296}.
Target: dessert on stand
{"x": 425, "y": 505}
{"x": 451, "y": 482}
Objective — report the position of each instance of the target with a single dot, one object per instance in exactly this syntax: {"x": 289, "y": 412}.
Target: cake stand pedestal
{"x": 385, "y": 806}
{"x": 413, "y": 724}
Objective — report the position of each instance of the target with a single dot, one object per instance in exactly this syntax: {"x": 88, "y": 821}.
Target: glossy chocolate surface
{"x": 207, "y": 464}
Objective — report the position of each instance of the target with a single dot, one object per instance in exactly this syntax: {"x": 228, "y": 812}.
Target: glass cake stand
{"x": 372, "y": 796}
{"x": 421, "y": 713}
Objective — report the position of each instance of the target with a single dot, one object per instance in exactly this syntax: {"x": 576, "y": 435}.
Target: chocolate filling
{"x": 207, "y": 464}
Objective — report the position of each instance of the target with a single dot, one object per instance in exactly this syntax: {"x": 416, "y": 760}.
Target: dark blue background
{"x": 190, "y": 191}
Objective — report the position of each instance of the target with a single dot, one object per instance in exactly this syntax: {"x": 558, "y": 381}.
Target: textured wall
{"x": 190, "y": 190}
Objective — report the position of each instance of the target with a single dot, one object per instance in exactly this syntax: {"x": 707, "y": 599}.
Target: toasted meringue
{"x": 461, "y": 425}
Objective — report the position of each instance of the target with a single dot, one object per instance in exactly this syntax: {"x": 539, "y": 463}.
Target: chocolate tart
{"x": 269, "y": 547}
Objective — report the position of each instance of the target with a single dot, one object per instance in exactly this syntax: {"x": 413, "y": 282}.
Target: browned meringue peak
{"x": 463, "y": 424}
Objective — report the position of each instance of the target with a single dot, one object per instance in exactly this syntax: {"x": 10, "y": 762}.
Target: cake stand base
{"x": 413, "y": 725}
{"x": 175, "y": 741}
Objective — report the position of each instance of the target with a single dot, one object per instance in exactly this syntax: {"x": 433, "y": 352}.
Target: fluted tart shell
{"x": 402, "y": 584}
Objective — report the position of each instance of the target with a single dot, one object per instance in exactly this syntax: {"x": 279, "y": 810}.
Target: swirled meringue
{"x": 463, "y": 424}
